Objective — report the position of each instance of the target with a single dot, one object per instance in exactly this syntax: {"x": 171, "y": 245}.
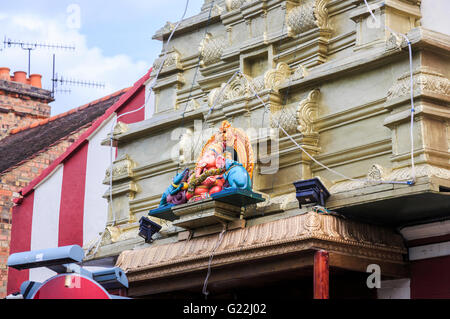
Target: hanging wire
{"x": 205, "y": 284}
{"x": 411, "y": 73}
{"x": 194, "y": 80}
{"x": 115, "y": 120}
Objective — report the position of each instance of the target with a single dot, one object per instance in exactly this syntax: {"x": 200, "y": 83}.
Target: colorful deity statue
{"x": 226, "y": 161}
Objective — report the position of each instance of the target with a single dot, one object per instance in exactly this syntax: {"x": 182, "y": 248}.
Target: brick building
{"x": 30, "y": 140}
{"x": 22, "y": 100}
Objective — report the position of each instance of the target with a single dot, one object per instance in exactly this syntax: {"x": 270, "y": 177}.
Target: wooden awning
{"x": 278, "y": 245}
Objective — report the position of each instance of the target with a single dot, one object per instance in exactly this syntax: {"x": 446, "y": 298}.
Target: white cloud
{"x": 85, "y": 63}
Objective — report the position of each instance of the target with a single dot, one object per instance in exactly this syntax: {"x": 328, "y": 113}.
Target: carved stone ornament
{"x": 188, "y": 142}
{"x": 396, "y": 42}
{"x": 307, "y": 113}
{"x": 284, "y": 236}
{"x": 211, "y": 49}
{"x": 243, "y": 86}
{"x": 286, "y": 117}
{"x": 300, "y": 72}
{"x": 234, "y": 4}
{"x": 168, "y": 27}
{"x": 274, "y": 78}
{"x": 425, "y": 80}
{"x": 192, "y": 105}
{"x": 308, "y": 15}
{"x": 122, "y": 168}
{"x": 217, "y": 96}
{"x": 376, "y": 173}
{"x": 238, "y": 88}
{"x": 120, "y": 128}
{"x": 171, "y": 62}
{"x": 119, "y": 234}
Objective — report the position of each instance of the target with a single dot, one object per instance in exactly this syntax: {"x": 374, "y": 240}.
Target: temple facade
{"x": 313, "y": 90}
{"x": 322, "y": 89}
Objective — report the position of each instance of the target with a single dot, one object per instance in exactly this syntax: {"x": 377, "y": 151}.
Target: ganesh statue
{"x": 226, "y": 161}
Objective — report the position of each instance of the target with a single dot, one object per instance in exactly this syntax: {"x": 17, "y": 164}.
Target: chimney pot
{"x": 20, "y": 76}
{"x": 35, "y": 80}
{"x": 4, "y": 74}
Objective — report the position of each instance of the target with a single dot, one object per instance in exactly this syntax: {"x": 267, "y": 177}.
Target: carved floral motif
{"x": 424, "y": 80}
{"x": 307, "y": 113}
{"x": 274, "y": 78}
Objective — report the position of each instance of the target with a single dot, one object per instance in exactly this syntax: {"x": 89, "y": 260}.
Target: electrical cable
{"x": 194, "y": 80}
{"x": 411, "y": 72}
{"x": 131, "y": 112}
{"x": 205, "y": 284}
{"x": 316, "y": 161}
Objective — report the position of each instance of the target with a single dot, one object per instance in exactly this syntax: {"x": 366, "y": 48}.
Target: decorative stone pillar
{"x": 431, "y": 118}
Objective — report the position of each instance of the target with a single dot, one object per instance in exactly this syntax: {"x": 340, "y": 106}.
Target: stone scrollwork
{"x": 300, "y": 120}
{"x": 274, "y": 78}
{"x": 308, "y": 15}
{"x": 238, "y": 88}
{"x": 396, "y": 42}
{"x": 321, "y": 14}
{"x": 307, "y": 113}
{"x": 211, "y": 49}
{"x": 243, "y": 85}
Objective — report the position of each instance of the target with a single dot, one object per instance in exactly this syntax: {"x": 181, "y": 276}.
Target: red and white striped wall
{"x": 64, "y": 205}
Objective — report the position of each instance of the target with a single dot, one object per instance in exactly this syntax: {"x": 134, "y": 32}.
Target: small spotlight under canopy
{"x": 311, "y": 191}
{"x": 147, "y": 229}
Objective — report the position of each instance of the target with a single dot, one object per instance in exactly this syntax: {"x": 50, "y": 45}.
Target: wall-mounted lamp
{"x": 311, "y": 191}
{"x": 147, "y": 229}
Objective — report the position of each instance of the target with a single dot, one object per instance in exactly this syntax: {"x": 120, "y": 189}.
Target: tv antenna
{"x": 60, "y": 80}
{"x": 30, "y": 46}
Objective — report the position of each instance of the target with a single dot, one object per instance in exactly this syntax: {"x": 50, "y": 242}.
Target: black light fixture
{"x": 311, "y": 191}
{"x": 147, "y": 229}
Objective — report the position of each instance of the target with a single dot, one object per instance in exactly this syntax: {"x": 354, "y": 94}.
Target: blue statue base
{"x": 232, "y": 196}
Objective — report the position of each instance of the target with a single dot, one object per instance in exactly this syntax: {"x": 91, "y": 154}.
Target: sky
{"x": 112, "y": 39}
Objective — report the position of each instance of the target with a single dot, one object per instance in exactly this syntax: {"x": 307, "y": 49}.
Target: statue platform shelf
{"x": 222, "y": 207}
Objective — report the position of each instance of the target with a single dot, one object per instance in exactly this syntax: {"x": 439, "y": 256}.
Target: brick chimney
{"x": 22, "y": 100}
